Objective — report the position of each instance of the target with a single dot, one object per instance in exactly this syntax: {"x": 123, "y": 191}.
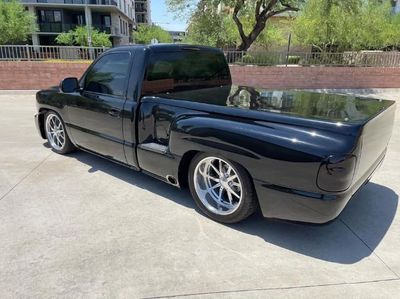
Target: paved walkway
{"x": 79, "y": 226}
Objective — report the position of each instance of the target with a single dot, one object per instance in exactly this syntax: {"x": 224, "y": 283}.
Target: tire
{"x": 206, "y": 180}
{"x": 56, "y": 134}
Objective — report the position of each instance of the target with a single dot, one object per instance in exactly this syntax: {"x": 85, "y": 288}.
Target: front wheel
{"x": 221, "y": 189}
{"x": 56, "y": 134}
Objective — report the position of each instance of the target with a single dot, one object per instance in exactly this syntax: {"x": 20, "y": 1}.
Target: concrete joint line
{"x": 25, "y": 176}
{"x": 273, "y": 289}
{"x": 372, "y": 251}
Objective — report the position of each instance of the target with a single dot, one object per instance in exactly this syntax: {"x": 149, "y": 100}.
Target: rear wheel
{"x": 221, "y": 189}
{"x": 56, "y": 134}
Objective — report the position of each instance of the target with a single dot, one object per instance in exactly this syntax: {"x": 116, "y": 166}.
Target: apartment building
{"x": 396, "y": 6}
{"x": 142, "y": 12}
{"x": 115, "y": 17}
{"x": 177, "y": 36}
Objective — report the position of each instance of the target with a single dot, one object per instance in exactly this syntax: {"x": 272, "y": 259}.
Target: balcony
{"x": 64, "y": 27}
{"x": 102, "y": 28}
{"x": 102, "y": 2}
{"x": 90, "y": 2}
{"x": 51, "y": 27}
{"x": 140, "y": 8}
{"x": 141, "y": 18}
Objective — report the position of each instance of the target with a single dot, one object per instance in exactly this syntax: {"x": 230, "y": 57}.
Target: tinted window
{"x": 109, "y": 74}
{"x": 185, "y": 70}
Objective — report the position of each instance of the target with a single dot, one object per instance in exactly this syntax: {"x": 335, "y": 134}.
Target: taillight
{"x": 336, "y": 173}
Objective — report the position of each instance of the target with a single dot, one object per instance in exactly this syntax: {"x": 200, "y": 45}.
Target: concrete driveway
{"x": 79, "y": 226}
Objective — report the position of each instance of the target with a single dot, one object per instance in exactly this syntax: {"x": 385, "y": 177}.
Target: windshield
{"x": 185, "y": 70}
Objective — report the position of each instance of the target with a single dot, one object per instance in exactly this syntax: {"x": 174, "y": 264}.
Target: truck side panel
{"x": 277, "y": 154}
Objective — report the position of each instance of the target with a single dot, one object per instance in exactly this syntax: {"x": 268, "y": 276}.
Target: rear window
{"x": 185, "y": 70}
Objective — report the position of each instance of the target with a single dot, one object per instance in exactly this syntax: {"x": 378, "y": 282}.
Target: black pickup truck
{"x": 171, "y": 111}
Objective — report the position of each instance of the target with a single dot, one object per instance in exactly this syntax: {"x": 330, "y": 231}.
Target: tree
{"x": 340, "y": 25}
{"x": 380, "y": 28}
{"x": 15, "y": 22}
{"x": 258, "y": 11}
{"x": 145, "y": 33}
{"x": 219, "y": 30}
{"x": 211, "y": 29}
{"x": 79, "y": 37}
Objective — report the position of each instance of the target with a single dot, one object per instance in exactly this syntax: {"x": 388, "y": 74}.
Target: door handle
{"x": 114, "y": 112}
{"x": 91, "y": 96}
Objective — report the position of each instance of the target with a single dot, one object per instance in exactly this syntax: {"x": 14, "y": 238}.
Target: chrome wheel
{"x": 55, "y": 131}
{"x": 218, "y": 186}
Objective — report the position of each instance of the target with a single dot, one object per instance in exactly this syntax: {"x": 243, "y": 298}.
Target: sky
{"x": 165, "y": 19}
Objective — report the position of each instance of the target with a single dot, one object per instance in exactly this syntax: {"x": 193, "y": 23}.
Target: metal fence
{"x": 29, "y": 52}
{"x": 363, "y": 58}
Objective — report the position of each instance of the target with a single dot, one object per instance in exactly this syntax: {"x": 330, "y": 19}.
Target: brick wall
{"x": 37, "y": 75}
{"x": 317, "y": 77}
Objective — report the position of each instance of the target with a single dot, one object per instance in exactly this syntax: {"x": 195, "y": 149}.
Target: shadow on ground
{"x": 350, "y": 238}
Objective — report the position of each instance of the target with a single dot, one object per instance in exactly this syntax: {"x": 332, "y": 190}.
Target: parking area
{"x": 80, "y": 226}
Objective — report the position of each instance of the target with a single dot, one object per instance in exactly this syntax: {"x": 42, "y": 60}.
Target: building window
{"x": 57, "y": 16}
{"x": 42, "y": 17}
{"x": 50, "y": 16}
{"x": 79, "y": 19}
{"x": 106, "y": 21}
{"x": 50, "y": 20}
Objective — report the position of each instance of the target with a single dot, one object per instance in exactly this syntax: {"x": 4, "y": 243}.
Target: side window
{"x": 108, "y": 75}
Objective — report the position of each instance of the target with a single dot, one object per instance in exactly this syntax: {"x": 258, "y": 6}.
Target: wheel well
{"x": 251, "y": 181}
{"x": 42, "y": 113}
{"x": 183, "y": 169}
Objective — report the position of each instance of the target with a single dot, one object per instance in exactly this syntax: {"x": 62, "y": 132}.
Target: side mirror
{"x": 69, "y": 85}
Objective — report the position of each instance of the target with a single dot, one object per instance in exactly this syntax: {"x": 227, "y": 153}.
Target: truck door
{"x": 96, "y": 115}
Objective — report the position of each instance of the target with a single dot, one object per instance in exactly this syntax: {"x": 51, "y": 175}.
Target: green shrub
{"x": 262, "y": 58}
{"x": 248, "y": 59}
{"x": 294, "y": 59}
{"x": 79, "y": 37}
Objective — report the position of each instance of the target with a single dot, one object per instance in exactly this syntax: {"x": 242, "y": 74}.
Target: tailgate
{"x": 374, "y": 140}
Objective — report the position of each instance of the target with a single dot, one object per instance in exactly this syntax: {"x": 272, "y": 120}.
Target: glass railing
{"x": 50, "y": 27}
{"x": 63, "y": 27}
{"x": 91, "y": 2}
{"x": 102, "y": 28}
{"x": 103, "y": 2}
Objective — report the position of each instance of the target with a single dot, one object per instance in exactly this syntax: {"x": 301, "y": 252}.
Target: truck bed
{"x": 364, "y": 123}
{"x": 374, "y": 139}
{"x": 338, "y": 113}
{"x": 319, "y": 106}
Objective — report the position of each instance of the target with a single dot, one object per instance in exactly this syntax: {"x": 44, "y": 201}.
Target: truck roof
{"x": 163, "y": 47}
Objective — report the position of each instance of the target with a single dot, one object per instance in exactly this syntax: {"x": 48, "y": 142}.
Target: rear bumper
{"x": 289, "y": 204}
